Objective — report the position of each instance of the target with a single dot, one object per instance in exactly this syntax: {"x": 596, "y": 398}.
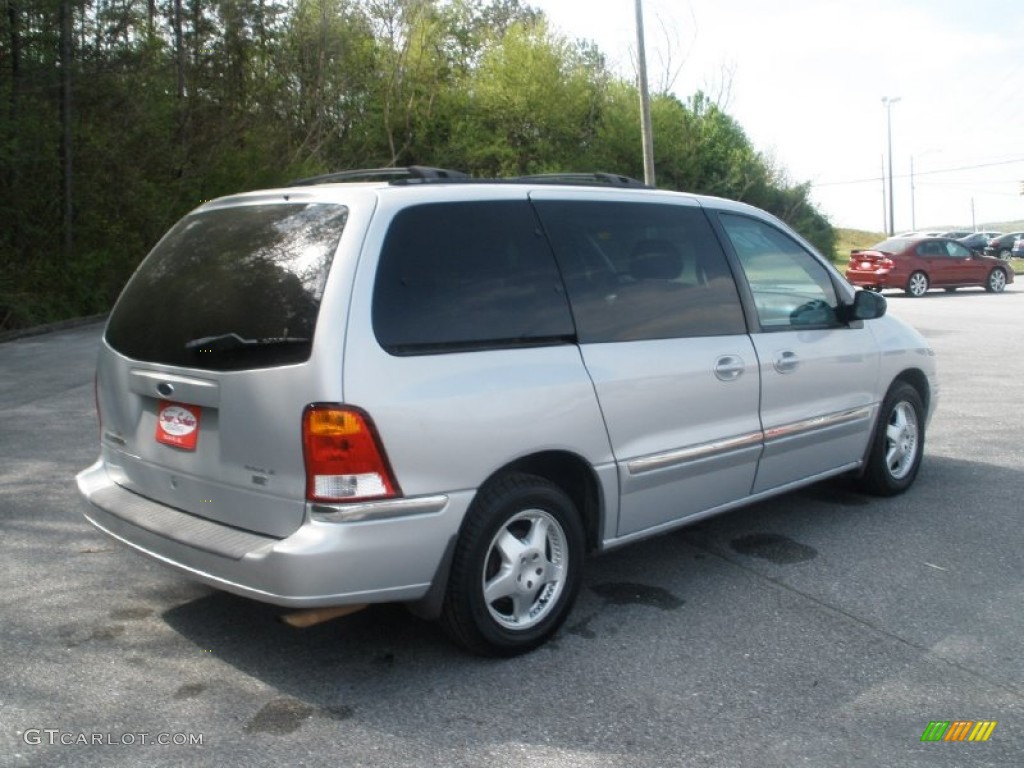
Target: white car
{"x": 415, "y": 387}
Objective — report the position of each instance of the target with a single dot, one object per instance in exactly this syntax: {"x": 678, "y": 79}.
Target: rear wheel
{"x": 917, "y": 285}
{"x": 898, "y": 443}
{"x": 517, "y": 567}
{"x": 996, "y": 281}
{"x": 1004, "y": 254}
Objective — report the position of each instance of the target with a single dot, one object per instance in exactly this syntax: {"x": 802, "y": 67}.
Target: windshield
{"x": 230, "y": 288}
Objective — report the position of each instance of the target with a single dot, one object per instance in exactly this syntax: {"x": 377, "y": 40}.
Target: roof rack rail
{"x": 589, "y": 179}
{"x": 414, "y": 174}
{"x": 417, "y": 172}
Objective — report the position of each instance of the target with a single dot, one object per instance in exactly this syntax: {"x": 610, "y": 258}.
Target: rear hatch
{"x": 206, "y": 365}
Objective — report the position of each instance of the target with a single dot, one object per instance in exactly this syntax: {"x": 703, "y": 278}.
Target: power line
{"x": 875, "y": 179}
{"x": 972, "y": 183}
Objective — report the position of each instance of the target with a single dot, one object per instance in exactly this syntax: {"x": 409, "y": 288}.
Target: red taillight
{"x": 887, "y": 263}
{"x": 344, "y": 457}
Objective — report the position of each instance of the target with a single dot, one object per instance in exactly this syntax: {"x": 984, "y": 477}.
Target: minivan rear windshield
{"x": 230, "y": 288}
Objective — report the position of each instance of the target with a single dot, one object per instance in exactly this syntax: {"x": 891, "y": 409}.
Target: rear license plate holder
{"x": 177, "y": 424}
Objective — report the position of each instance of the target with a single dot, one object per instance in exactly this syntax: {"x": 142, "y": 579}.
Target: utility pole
{"x": 887, "y": 102}
{"x": 66, "y": 23}
{"x": 645, "y": 98}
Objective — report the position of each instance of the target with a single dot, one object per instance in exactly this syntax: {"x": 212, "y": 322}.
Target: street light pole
{"x": 645, "y": 98}
{"x": 888, "y": 101}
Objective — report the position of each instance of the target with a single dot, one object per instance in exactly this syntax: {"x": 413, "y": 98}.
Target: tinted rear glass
{"x": 892, "y": 245}
{"x": 639, "y": 271}
{"x": 230, "y": 288}
{"x": 470, "y": 276}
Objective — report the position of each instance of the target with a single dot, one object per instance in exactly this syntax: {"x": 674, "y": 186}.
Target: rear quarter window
{"x": 230, "y": 288}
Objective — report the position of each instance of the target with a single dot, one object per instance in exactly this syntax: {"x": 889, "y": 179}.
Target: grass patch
{"x": 850, "y": 239}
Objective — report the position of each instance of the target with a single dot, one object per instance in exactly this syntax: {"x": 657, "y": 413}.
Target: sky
{"x": 806, "y": 79}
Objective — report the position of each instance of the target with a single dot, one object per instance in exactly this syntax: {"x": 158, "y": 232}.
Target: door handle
{"x": 729, "y": 367}
{"x": 786, "y": 362}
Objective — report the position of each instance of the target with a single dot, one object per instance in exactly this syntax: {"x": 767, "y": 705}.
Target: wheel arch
{"x": 1004, "y": 270}
{"x": 877, "y": 476}
{"x": 569, "y": 471}
{"x": 577, "y": 479}
{"x": 910, "y": 281}
{"x": 916, "y": 378}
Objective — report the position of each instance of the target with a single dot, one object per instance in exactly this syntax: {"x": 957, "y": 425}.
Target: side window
{"x": 957, "y": 251}
{"x": 476, "y": 275}
{"x": 642, "y": 271}
{"x": 791, "y": 288}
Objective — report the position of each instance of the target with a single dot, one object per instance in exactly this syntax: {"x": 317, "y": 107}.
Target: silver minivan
{"x": 445, "y": 392}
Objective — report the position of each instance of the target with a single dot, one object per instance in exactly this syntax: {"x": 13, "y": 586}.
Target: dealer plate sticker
{"x": 178, "y": 425}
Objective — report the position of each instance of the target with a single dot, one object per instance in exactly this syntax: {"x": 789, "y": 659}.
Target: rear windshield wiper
{"x": 231, "y": 341}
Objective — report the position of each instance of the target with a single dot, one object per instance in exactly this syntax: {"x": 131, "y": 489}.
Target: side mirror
{"x": 867, "y": 305}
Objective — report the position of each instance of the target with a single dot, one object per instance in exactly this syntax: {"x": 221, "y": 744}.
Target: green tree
{"x": 532, "y": 104}
{"x": 175, "y": 102}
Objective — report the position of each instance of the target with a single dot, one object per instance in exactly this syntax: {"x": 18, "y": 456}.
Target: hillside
{"x": 1004, "y": 226}
{"x": 850, "y": 239}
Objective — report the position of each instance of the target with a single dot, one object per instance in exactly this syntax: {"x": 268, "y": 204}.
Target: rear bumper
{"x": 869, "y": 280}
{"x": 390, "y": 558}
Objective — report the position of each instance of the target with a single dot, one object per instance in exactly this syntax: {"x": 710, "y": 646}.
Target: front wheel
{"x": 1004, "y": 254}
{"x": 996, "y": 281}
{"x": 517, "y": 567}
{"x": 898, "y": 443}
{"x": 917, "y": 285}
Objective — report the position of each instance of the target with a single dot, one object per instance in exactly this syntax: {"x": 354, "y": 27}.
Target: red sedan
{"x": 917, "y": 264}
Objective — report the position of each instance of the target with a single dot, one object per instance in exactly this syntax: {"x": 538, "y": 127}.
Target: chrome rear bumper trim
{"x": 377, "y": 510}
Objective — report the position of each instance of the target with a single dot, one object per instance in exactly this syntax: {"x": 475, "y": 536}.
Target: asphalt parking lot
{"x": 824, "y": 628}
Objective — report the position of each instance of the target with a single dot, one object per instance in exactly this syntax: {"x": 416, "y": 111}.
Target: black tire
{"x": 524, "y": 537}
{"x": 996, "y": 281}
{"x": 1004, "y": 254}
{"x": 950, "y": 290}
{"x": 898, "y": 443}
{"x": 917, "y": 285}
